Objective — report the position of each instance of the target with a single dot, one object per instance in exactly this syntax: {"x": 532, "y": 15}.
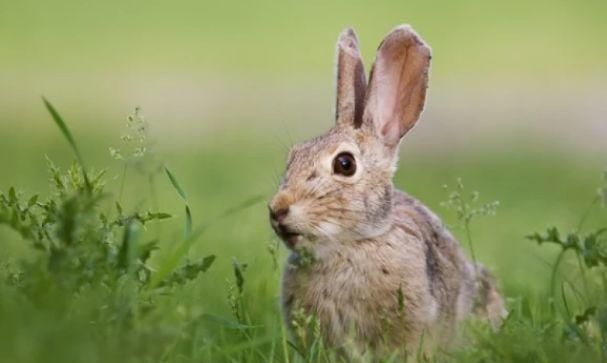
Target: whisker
{"x": 317, "y": 186}
{"x": 328, "y": 193}
{"x": 311, "y": 191}
{"x": 322, "y": 231}
{"x": 338, "y": 209}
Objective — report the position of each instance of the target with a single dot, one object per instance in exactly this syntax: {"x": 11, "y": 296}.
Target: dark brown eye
{"x": 344, "y": 164}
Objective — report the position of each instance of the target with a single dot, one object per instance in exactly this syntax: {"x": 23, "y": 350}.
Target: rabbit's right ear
{"x": 397, "y": 86}
{"x": 351, "y": 80}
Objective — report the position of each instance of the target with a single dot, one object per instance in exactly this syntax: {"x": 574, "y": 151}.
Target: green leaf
{"x": 145, "y": 250}
{"x": 585, "y": 316}
{"x": 189, "y": 271}
{"x": 12, "y": 195}
{"x": 239, "y": 269}
{"x": 176, "y": 185}
{"x": 207, "y": 262}
{"x": 62, "y": 126}
{"x": 188, "y": 221}
{"x": 158, "y": 215}
{"x": 119, "y": 209}
{"x": 128, "y": 249}
{"x": 32, "y": 201}
{"x": 103, "y": 219}
{"x": 183, "y": 195}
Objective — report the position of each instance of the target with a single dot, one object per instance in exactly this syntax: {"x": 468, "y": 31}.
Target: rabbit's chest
{"x": 361, "y": 290}
{"x": 339, "y": 298}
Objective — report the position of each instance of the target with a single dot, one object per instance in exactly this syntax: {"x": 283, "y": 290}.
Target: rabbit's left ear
{"x": 351, "y": 80}
{"x": 397, "y": 86}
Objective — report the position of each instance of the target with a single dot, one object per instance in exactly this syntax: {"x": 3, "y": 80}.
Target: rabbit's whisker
{"x": 323, "y": 231}
{"x": 337, "y": 209}
{"x": 328, "y": 193}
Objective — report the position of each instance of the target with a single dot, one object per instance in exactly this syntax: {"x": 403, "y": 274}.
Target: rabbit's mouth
{"x": 289, "y": 236}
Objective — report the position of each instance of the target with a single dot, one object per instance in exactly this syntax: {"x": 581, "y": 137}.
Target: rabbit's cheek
{"x": 331, "y": 230}
{"x": 296, "y": 215}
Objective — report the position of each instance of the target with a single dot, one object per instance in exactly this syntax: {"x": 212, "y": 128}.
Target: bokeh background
{"x": 517, "y": 108}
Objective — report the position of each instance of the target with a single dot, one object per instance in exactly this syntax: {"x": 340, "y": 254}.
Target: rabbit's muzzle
{"x": 282, "y": 230}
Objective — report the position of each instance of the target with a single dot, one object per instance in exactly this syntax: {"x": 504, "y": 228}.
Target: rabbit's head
{"x": 338, "y": 187}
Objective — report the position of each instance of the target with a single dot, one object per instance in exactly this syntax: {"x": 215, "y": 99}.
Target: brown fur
{"x": 351, "y": 79}
{"x": 385, "y": 272}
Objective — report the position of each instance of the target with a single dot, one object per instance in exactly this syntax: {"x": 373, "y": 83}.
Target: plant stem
{"x": 285, "y": 347}
{"x": 553, "y": 278}
{"x": 586, "y": 214}
{"x": 122, "y": 182}
{"x": 470, "y": 244}
{"x": 583, "y": 273}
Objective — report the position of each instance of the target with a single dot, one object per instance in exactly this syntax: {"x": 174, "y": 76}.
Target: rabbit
{"x": 374, "y": 266}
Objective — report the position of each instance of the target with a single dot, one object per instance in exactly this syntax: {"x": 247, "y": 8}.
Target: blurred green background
{"x": 516, "y": 102}
{"x": 516, "y": 108}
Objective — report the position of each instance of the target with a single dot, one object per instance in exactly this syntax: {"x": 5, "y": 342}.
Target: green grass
{"x": 229, "y": 312}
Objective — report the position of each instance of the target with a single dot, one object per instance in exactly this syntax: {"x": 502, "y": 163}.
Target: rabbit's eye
{"x": 344, "y": 164}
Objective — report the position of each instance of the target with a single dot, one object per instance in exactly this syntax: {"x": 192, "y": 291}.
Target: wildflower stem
{"x": 470, "y": 244}
{"x": 555, "y": 268}
{"x": 583, "y": 273}
{"x": 285, "y": 347}
{"x": 122, "y": 182}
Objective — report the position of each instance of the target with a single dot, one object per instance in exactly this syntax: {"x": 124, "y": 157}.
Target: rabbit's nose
{"x": 279, "y": 215}
{"x": 279, "y": 207}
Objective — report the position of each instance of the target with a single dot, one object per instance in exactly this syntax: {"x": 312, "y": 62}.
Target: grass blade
{"x": 176, "y": 185}
{"x": 68, "y": 136}
{"x": 183, "y": 195}
{"x": 188, "y": 220}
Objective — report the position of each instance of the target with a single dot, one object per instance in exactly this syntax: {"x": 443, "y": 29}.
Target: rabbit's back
{"x": 449, "y": 273}
{"x": 462, "y": 286}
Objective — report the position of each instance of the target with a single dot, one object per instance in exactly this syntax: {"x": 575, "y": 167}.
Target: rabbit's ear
{"x": 351, "y": 80}
{"x": 397, "y": 86}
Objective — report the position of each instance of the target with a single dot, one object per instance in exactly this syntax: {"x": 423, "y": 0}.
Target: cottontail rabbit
{"x": 376, "y": 267}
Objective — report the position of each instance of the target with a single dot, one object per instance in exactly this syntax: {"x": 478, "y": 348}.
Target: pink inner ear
{"x": 398, "y": 86}
{"x": 387, "y": 92}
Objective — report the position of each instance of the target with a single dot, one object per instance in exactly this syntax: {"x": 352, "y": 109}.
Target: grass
{"x": 135, "y": 288}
